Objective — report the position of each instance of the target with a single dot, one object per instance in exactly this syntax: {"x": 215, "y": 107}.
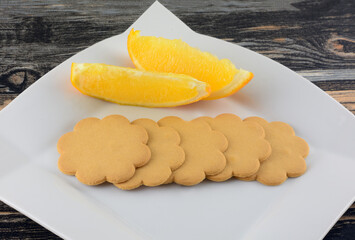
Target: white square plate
{"x": 303, "y": 208}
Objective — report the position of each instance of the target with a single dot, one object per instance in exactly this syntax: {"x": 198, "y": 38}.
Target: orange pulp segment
{"x": 134, "y": 87}
{"x": 175, "y": 56}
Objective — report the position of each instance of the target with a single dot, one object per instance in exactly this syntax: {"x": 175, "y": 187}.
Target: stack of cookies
{"x": 145, "y": 152}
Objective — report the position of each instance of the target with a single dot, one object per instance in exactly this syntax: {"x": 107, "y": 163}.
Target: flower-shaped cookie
{"x": 246, "y": 146}
{"x": 288, "y": 153}
{"x": 167, "y": 156}
{"x": 203, "y": 150}
{"x": 103, "y": 150}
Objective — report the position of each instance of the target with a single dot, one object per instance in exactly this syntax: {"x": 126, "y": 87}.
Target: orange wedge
{"x": 175, "y": 56}
{"x": 134, "y": 87}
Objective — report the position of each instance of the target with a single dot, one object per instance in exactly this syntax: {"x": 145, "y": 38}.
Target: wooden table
{"x": 314, "y": 38}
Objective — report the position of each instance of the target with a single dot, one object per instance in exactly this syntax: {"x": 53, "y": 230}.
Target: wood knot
{"x": 17, "y": 79}
{"x": 341, "y": 46}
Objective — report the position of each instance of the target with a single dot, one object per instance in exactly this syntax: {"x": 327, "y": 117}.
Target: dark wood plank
{"x": 335, "y": 85}
{"x": 314, "y": 38}
{"x": 307, "y": 37}
{"x": 14, "y": 225}
{"x": 344, "y": 228}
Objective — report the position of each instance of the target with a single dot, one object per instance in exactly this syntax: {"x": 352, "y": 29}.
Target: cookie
{"x": 246, "y": 146}
{"x": 203, "y": 150}
{"x": 288, "y": 153}
{"x": 103, "y": 150}
{"x": 166, "y": 156}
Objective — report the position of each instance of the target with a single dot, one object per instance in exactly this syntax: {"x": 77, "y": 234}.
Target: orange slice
{"x": 175, "y": 56}
{"x": 134, "y": 87}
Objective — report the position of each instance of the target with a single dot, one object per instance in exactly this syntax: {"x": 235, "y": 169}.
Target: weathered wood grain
{"x": 344, "y": 228}
{"x": 317, "y": 75}
{"x": 314, "y": 38}
{"x": 14, "y": 225}
{"x": 306, "y": 37}
{"x": 346, "y": 98}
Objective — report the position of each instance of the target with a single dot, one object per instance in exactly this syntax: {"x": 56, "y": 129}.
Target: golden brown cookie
{"x": 166, "y": 156}
{"x": 103, "y": 150}
{"x": 246, "y": 145}
{"x": 288, "y": 153}
{"x": 203, "y": 150}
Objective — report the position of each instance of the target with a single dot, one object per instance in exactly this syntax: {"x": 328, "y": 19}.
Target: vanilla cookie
{"x": 203, "y": 148}
{"x": 103, "y": 150}
{"x": 246, "y": 145}
{"x": 166, "y": 156}
{"x": 288, "y": 153}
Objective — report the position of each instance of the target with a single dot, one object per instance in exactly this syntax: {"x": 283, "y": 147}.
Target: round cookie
{"x": 288, "y": 153}
{"x": 203, "y": 150}
{"x": 166, "y": 156}
{"x": 103, "y": 150}
{"x": 246, "y": 146}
